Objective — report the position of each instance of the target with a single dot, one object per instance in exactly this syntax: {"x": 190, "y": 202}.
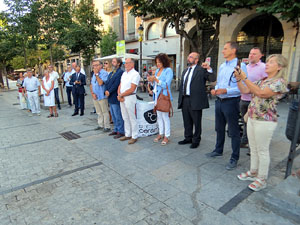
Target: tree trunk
{"x": 25, "y": 55}
{"x": 1, "y": 79}
{"x": 51, "y": 54}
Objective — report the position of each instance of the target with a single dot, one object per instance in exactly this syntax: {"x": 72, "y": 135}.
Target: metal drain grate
{"x": 69, "y": 135}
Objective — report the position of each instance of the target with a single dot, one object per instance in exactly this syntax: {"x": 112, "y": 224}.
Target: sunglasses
{"x": 106, "y": 63}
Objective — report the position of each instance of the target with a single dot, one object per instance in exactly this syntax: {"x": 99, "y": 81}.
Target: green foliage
{"x": 55, "y": 17}
{"x": 22, "y": 25}
{"x": 83, "y": 34}
{"x": 206, "y": 13}
{"x": 7, "y": 44}
{"x": 108, "y": 42}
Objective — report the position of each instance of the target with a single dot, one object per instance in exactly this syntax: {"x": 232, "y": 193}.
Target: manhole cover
{"x": 16, "y": 104}
{"x": 69, "y": 135}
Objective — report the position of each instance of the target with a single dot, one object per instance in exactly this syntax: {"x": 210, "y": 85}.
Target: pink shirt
{"x": 255, "y": 72}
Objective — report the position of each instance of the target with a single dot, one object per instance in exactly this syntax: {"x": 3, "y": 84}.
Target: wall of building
{"x": 231, "y": 25}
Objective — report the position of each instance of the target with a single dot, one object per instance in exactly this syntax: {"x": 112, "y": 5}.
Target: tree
{"x": 23, "y": 24}
{"x": 7, "y": 46}
{"x": 108, "y": 42}
{"x": 54, "y": 18}
{"x": 84, "y": 35}
{"x": 206, "y": 13}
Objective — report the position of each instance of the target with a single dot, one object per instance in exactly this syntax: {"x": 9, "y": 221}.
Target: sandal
{"x": 165, "y": 141}
{"x": 51, "y": 115}
{"x": 247, "y": 176}
{"x": 257, "y": 185}
{"x": 159, "y": 137}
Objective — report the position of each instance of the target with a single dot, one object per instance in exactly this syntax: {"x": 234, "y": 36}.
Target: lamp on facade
{"x": 141, "y": 34}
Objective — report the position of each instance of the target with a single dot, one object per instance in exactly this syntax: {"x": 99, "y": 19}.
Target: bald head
{"x": 193, "y": 59}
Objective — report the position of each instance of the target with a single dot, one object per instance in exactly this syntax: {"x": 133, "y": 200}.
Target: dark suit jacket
{"x": 78, "y": 88}
{"x": 112, "y": 84}
{"x": 198, "y": 95}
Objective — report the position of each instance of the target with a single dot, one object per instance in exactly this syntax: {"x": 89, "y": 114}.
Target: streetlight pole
{"x": 141, "y": 33}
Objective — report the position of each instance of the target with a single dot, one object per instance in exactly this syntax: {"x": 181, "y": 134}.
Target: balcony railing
{"x": 110, "y": 6}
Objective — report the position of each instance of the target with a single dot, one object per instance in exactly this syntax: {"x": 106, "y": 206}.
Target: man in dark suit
{"x": 111, "y": 85}
{"x": 193, "y": 98}
{"x": 78, "y": 82}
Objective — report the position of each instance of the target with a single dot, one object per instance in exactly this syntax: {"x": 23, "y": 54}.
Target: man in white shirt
{"x": 54, "y": 75}
{"x": 127, "y": 97}
{"x": 32, "y": 90}
{"x": 67, "y": 78}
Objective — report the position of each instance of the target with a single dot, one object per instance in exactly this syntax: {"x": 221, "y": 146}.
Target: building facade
{"x": 247, "y": 27}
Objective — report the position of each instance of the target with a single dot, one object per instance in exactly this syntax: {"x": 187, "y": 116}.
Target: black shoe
{"x": 118, "y": 136}
{"x": 82, "y": 113}
{"x": 232, "y": 164}
{"x": 184, "y": 142}
{"x": 213, "y": 154}
{"x": 75, "y": 114}
{"x": 59, "y": 107}
{"x": 113, "y": 133}
{"x": 98, "y": 128}
{"x": 106, "y": 130}
{"x": 194, "y": 145}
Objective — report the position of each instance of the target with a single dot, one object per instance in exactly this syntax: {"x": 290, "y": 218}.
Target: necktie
{"x": 186, "y": 81}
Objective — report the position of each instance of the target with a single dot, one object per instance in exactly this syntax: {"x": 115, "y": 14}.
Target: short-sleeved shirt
{"x": 255, "y": 72}
{"x": 128, "y": 78}
{"x": 99, "y": 89}
{"x": 31, "y": 84}
{"x": 67, "y": 79}
{"x": 54, "y": 76}
{"x": 265, "y": 109}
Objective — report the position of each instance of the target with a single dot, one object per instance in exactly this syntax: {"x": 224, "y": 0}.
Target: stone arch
{"x": 188, "y": 48}
{"x": 259, "y": 30}
{"x": 164, "y": 29}
{"x": 148, "y": 30}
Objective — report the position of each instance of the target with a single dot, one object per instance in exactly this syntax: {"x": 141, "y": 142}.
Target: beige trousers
{"x": 259, "y": 136}
{"x": 102, "y": 111}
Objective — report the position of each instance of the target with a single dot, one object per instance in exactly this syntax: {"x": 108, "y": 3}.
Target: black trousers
{"x": 227, "y": 112}
{"x": 78, "y": 97}
{"x": 56, "y": 94}
{"x": 192, "y": 120}
{"x": 69, "y": 91}
{"x": 244, "y": 109}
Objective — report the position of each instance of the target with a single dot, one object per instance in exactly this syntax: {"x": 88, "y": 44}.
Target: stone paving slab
{"x": 143, "y": 183}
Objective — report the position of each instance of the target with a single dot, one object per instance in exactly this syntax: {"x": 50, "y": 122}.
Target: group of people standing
{"x": 251, "y": 92}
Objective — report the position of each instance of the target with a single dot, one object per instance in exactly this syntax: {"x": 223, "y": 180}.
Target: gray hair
{"x": 282, "y": 62}
{"x": 45, "y": 71}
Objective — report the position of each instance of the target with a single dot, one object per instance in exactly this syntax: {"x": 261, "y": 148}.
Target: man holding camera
{"x": 227, "y": 105}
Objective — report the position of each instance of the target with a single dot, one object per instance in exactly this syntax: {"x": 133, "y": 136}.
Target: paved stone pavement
{"x": 46, "y": 179}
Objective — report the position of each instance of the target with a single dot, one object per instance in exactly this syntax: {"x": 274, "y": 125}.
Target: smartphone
{"x": 238, "y": 65}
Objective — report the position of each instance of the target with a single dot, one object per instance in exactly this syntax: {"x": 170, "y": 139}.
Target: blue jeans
{"x": 227, "y": 111}
{"x": 116, "y": 115}
{"x": 56, "y": 94}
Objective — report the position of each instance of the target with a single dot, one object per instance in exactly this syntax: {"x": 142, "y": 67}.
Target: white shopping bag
{"x": 146, "y": 119}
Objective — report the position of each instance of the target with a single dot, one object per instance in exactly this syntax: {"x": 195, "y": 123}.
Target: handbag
{"x": 164, "y": 103}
